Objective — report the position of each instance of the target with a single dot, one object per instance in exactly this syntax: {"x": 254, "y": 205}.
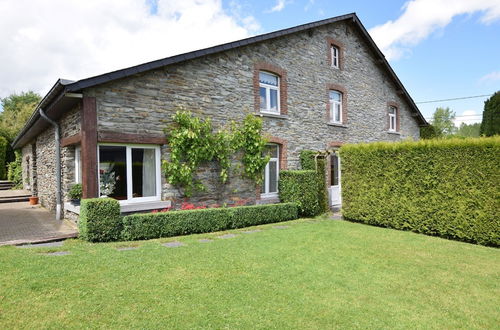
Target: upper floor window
{"x": 336, "y": 107}
{"x": 393, "y": 111}
{"x": 271, "y": 172}
{"x": 269, "y": 86}
{"x": 334, "y": 52}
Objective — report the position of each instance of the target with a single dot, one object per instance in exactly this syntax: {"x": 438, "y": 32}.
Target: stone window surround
{"x": 282, "y": 156}
{"x": 341, "y": 89}
{"x": 398, "y": 119}
{"x": 281, "y": 73}
{"x": 333, "y": 42}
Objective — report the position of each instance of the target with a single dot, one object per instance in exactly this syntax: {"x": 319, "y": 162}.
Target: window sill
{"x": 271, "y": 115}
{"x": 126, "y": 208}
{"x": 394, "y": 132}
{"x": 337, "y": 125}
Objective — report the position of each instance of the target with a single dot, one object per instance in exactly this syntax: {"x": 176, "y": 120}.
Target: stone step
{"x": 6, "y": 188}
{"x": 15, "y": 199}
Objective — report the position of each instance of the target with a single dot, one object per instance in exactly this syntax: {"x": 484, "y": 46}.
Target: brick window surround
{"x": 282, "y": 143}
{"x": 281, "y": 73}
{"x": 398, "y": 121}
{"x": 338, "y": 88}
{"x": 332, "y": 42}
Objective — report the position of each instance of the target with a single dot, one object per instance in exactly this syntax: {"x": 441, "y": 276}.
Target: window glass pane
{"x": 113, "y": 172}
{"x": 393, "y": 122}
{"x": 337, "y": 111}
{"x": 267, "y": 78}
{"x": 262, "y": 98}
{"x": 143, "y": 172}
{"x": 274, "y": 100}
{"x": 392, "y": 110}
{"x": 334, "y": 170}
{"x": 273, "y": 176}
{"x": 335, "y": 96}
{"x": 272, "y": 150}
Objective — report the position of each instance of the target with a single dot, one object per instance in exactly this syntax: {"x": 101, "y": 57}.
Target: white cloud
{"x": 280, "y": 5}
{"x": 490, "y": 77}
{"x": 45, "y": 40}
{"x": 422, "y": 18}
{"x": 468, "y": 117}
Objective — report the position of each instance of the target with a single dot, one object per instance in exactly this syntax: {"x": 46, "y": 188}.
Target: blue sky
{"x": 440, "y": 49}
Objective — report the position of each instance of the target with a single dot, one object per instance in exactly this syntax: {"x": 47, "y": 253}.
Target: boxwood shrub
{"x": 100, "y": 220}
{"x": 300, "y": 187}
{"x": 174, "y": 223}
{"x": 448, "y": 188}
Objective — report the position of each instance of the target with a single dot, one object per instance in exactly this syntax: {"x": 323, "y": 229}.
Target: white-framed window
{"x": 334, "y": 51}
{"x": 393, "y": 118}
{"x": 129, "y": 173}
{"x": 269, "y": 92}
{"x": 78, "y": 165}
{"x": 335, "y": 107}
{"x": 271, "y": 172}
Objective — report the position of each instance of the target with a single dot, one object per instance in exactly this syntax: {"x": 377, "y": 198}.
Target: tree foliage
{"x": 17, "y": 108}
{"x": 491, "y": 116}
{"x": 468, "y": 130}
{"x": 442, "y": 120}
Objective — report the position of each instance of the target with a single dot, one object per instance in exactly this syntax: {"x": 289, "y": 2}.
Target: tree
{"x": 471, "y": 130}
{"x": 17, "y": 108}
{"x": 428, "y": 132}
{"x": 491, "y": 116}
{"x": 442, "y": 120}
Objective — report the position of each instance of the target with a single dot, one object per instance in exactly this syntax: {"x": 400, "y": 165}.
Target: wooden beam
{"x": 89, "y": 148}
{"x": 70, "y": 140}
{"x": 118, "y": 137}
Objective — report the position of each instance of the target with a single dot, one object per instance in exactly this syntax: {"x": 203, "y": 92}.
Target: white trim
{"x": 334, "y": 53}
{"x": 77, "y": 164}
{"x": 266, "y": 193}
{"x": 128, "y": 160}
{"x": 393, "y": 119}
{"x": 268, "y": 89}
{"x": 334, "y": 103}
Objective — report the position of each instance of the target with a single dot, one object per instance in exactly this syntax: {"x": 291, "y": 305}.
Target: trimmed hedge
{"x": 15, "y": 171}
{"x": 300, "y": 187}
{"x": 309, "y": 161}
{"x": 3, "y": 156}
{"x": 174, "y": 223}
{"x": 100, "y": 220}
{"x": 448, "y": 188}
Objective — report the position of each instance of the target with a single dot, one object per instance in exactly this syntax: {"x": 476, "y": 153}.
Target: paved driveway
{"x": 21, "y": 223}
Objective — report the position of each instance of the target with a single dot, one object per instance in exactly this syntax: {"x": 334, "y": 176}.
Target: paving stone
{"x": 58, "y": 253}
{"x": 50, "y": 244}
{"x": 227, "y": 236}
{"x": 336, "y": 217}
{"x": 281, "y": 227}
{"x": 173, "y": 244}
{"x": 127, "y": 248}
{"x": 205, "y": 240}
{"x": 252, "y": 231}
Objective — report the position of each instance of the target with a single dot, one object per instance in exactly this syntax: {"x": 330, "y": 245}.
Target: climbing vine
{"x": 193, "y": 142}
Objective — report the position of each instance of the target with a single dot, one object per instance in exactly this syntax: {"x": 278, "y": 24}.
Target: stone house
{"x": 316, "y": 86}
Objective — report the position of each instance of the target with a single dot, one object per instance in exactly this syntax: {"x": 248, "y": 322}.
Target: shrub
{"x": 3, "y": 155}
{"x": 75, "y": 192}
{"x": 173, "y": 223}
{"x": 300, "y": 187}
{"x": 448, "y": 188}
{"x": 310, "y": 161}
{"x": 15, "y": 171}
{"x": 100, "y": 220}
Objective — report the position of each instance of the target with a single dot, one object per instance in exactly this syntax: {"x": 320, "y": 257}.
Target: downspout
{"x": 58, "y": 163}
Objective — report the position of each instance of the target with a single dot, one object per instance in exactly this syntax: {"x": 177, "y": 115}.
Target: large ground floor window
{"x": 130, "y": 172}
{"x": 271, "y": 172}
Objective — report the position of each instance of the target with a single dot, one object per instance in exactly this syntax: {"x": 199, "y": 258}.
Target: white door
{"x": 334, "y": 190}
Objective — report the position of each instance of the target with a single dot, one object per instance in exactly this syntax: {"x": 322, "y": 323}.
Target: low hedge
{"x": 300, "y": 187}
{"x": 100, "y": 220}
{"x": 174, "y": 223}
{"x": 448, "y": 188}
{"x": 3, "y": 156}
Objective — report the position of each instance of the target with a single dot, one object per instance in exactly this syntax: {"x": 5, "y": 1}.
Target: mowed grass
{"x": 314, "y": 274}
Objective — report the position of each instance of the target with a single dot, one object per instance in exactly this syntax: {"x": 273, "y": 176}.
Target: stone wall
{"x": 221, "y": 87}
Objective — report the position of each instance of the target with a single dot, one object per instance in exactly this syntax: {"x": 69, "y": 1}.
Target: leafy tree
{"x": 428, "y": 132}
{"x": 471, "y": 130}
{"x": 491, "y": 116}
{"x": 442, "y": 120}
{"x": 17, "y": 108}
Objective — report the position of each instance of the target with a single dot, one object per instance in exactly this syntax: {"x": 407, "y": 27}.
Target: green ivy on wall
{"x": 193, "y": 142}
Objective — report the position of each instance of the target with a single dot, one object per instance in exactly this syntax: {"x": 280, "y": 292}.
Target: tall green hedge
{"x": 3, "y": 155}
{"x": 100, "y": 220}
{"x": 300, "y": 187}
{"x": 15, "y": 171}
{"x": 309, "y": 161}
{"x": 448, "y": 188}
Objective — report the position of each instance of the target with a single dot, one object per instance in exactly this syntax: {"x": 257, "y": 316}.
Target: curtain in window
{"x": 149, "y": 173}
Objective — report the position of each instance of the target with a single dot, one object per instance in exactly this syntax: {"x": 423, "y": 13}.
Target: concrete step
{"x": 14, "y": 199}
{"x": 6, "y": 188}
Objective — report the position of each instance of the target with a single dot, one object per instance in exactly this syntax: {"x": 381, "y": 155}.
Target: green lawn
{"x": 314, "y": 274}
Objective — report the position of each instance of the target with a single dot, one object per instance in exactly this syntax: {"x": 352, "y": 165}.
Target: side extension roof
{"x": 61, "y": 87}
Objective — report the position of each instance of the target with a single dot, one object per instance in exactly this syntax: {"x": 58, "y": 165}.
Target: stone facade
{"x": 222, "y": 87}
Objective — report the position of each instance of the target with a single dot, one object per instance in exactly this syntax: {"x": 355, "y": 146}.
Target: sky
{"x": 440, "y": 49}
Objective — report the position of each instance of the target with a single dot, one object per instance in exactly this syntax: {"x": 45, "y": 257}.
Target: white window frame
{"x": 393, "y": 119}
{"x": 77, "y": 164}
{"x": 333, "y": 103}
{"x": 268, "y": 89}
{"x": 128, "y": 160}
{"x": 334, "y": 53}
{"x": 266, "y": 193}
